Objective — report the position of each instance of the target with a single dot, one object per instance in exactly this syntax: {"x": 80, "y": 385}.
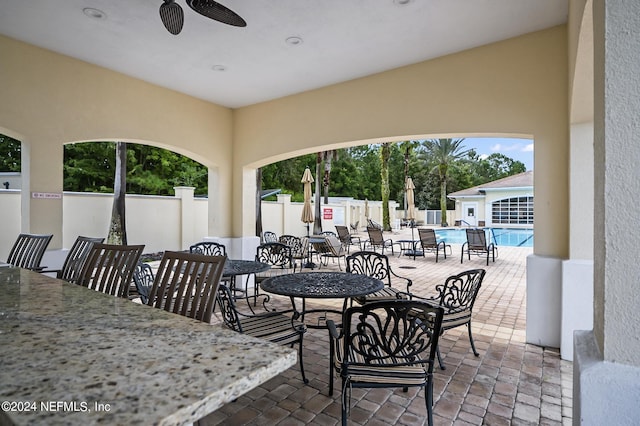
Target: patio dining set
{"x": 383, "y": 336}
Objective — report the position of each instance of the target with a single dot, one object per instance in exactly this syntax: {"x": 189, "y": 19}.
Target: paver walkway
{"x": 510, "y": 383}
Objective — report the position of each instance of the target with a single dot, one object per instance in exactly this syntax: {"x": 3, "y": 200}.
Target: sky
{"x": 518, "y": 149}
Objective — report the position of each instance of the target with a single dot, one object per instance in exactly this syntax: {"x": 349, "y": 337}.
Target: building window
{"x": 513, "y": 211}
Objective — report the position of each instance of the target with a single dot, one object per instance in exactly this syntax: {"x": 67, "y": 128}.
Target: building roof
{"x": 519, "y": 181}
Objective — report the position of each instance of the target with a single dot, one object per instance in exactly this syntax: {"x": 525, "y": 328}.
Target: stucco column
{"x": 607, "y": 360}
{"x": 42, "y": 190}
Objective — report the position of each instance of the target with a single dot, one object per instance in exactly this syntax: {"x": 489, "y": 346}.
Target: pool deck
{"x": 510, "y": 383}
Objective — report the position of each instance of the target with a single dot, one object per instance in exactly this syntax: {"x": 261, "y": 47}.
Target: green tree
{"x": 88, "y": 167}
{"x": 444, "y": 153}
{"x": 10, "y": 149}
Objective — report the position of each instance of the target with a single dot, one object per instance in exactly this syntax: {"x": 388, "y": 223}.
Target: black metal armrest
{"x": 333, "y": 329}
{"x": 408, "y": 280}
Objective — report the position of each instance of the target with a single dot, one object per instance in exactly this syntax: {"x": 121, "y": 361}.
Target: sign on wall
{"x": 47, "y": 195}
{"x": 327, "y": 213}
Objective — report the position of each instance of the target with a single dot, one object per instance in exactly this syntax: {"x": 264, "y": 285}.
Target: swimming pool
{"x": 501, "y": 236}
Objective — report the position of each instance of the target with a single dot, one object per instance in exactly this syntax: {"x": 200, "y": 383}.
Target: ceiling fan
{"x": 172, "y": 14}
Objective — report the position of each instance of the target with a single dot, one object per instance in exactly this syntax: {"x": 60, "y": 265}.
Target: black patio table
{"x": 321, "y": 285}
{"x": 235, "y": 267}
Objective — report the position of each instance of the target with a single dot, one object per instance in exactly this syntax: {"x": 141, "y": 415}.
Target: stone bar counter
{"x": 70, "y": 355}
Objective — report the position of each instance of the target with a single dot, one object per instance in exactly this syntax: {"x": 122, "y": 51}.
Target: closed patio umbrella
{"x": 307, "y": 212}
{"x": 366, "y": 210}
{"x": 411, "y": 208}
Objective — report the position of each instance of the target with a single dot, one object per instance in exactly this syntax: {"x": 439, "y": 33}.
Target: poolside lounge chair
{"x": 477, "y": 244}
{"x": 346, "y": 238}
{"x": 376, "y": 240}
{"x": 430, "y": 243}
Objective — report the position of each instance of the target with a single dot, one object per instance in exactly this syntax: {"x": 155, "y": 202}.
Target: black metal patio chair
{"x": 385, "y": 344}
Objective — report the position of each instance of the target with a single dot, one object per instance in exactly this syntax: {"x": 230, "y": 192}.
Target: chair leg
{"x": 331, "y": 355}
{"x": 473, "y": 346}
{"x": 442, "y": 367}
{"x": 345, "y": 400}
{"x": 304, "y": 378}
{"x": 428, "y": 400}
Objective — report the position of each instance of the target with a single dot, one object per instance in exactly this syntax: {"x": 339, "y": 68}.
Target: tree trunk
{"x": 443, "y": 195}
{"x": 385, "y": 153}
{"x": 406, "y": 175}
{"x": 259, "y": 202}
{"x": 317, "y": 222}
{"x": 117, "y": 228}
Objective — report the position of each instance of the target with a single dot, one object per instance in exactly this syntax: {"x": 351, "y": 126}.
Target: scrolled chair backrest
{"x": 269, "y": 237}
{"x": 208, "y": 248}
{"x": 370, "y": 263}
{"x": 292, "y": 241}
{"x": 392, "y": 332}
{"x": 277, "y": 255}
{"x": 459, "y": 291}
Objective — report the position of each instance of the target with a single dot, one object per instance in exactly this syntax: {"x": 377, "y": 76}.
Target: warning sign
{"x": 327, "y": 213}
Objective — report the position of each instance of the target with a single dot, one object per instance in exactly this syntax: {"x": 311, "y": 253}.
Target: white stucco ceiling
{"x": 341, "y": 39}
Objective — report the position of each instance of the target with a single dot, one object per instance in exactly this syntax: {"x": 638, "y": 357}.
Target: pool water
{"x": 501, "y": 236}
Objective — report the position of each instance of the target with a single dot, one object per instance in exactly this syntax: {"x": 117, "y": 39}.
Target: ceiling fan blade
{"x": 172, "y": 16}
{"x": 216, "y": 11}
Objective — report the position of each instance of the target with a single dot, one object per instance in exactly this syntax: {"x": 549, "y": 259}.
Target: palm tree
{"x": 317, "y": 224}
{"x": 443, "y": 153}
{"x": 328, "y": 156}
{"x": 385, "y": 154}
{"x": 117, "y": 228}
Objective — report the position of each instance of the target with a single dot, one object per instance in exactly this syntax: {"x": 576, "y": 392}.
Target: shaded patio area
{"x": 510, "y": 383}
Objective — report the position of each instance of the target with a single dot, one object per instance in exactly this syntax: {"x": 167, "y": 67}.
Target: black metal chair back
{"x": 376, "y": 265}
{"x": 277, "y": 255}
{"x": 28, "y": 249}
{"x": 370, "y": 263}
{"x": 208, "y": 248}
{"x": 143, "y": 278}
{"x": 76, "y": 258}
{"x": 269, "y": 237}
{"x": 457, "y": 296}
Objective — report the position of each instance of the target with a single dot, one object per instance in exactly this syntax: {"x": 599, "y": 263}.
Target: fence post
{"x": 187, "y": 222}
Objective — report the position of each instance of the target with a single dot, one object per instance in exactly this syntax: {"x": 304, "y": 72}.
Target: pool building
{"x": 503, "y": 203}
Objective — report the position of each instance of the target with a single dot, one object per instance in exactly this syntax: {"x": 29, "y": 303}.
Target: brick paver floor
{"x": 510, "y": 383}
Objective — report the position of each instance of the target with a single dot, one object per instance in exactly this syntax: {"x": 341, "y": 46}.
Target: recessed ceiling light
{"x": 219, "y": 68}
{"x": 293, "y": 41}
{"x": 401, "y": 2}
{"x": 94, "y": 13}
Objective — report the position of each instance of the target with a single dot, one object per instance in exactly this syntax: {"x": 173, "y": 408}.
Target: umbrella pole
{"x": 309, "y": 263}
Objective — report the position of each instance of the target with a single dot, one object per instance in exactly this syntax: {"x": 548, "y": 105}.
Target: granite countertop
{"x": 70, "y": 355}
